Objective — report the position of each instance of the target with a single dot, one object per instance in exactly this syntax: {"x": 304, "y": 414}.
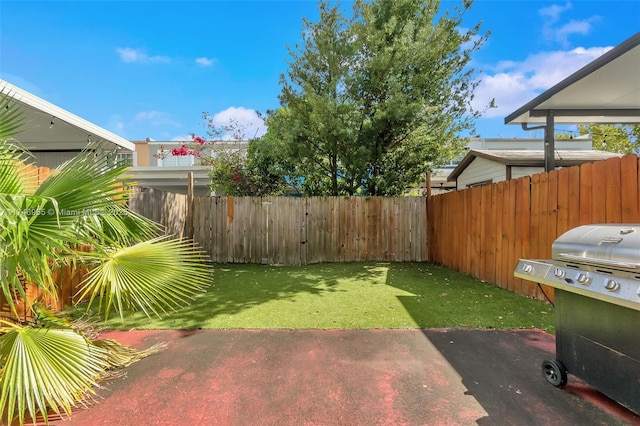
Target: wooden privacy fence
{"x": 292, "y": 230}
{"x": 480, "y": 231}
{"x": 166, "y": 208}
{"x": 483, "y": 231}
{"x": 67, "y": 281}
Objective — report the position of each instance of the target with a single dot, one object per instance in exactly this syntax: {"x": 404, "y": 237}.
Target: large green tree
{"x": 372, "y": 101}
{"x": 623, "y": 139}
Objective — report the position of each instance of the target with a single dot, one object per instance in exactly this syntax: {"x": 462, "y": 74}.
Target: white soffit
{"x": 607, "y": 90}
{"x": 69, "y": 132}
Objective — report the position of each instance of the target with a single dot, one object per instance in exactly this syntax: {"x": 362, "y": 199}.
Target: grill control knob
{"x": 612, "y": 285}
{"x": 527, "y": 269}
{"x": 584, "y": 279}
{"x": 559, "y": 273}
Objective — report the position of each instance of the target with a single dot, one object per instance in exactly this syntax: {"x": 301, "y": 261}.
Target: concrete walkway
{"x": 346, "y": 377}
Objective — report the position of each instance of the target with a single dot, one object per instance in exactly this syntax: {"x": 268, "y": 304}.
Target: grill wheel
{"x": 554, "y": 372}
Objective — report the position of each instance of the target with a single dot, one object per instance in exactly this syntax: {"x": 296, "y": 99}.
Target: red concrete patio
{"x": 346, "y": 377}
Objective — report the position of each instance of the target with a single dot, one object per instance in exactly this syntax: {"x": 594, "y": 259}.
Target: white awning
{"x": 68, "y": 132}
{"x": 607, "y": 90}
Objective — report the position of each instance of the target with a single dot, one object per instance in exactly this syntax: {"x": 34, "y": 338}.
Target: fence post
{"x": 189, "y": 223}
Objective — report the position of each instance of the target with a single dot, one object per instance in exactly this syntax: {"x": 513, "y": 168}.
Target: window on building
{"x": 171, "y": 160}
{"x": 126, "y": 157}
{"x": 483, "y": 183}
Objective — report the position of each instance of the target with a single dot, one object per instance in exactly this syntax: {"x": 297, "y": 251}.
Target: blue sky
{"x": 150, "y": 68}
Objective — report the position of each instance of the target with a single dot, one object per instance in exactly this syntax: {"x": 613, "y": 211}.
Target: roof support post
{"x": 549, "y": 142}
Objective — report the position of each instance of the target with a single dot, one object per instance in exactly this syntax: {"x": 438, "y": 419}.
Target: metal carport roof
{"x": 607, "y": 90}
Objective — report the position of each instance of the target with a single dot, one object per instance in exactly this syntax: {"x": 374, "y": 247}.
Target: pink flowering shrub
{"x": 228, "y": 171}
{"x": 193, "y": 148}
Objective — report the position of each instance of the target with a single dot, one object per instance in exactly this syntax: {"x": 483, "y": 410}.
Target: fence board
{"x": 500, "y": 212}
{"x": 552, "y": 210}
{"x": 535, "y": 216}
{"x": 563, "y": 206}
{"x": 476, "y": 243}
{"x": 487, "y": 235}
{"x": 586, "y": 194}
{"x": 545, "y": 218}
{"x": 573, "y": 197}
{"x": 469, "y": 254}
{"x": 520, "y": 194}
{"x": 630, "y": 209}
{"x": 598, "y": 192}
{"x": 613, "y": 203}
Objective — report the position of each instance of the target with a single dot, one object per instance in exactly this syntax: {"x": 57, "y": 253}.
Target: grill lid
{"x": 611, "y": 246}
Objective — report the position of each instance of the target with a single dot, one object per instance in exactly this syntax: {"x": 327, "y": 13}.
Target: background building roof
{"x": 531, "y": 158}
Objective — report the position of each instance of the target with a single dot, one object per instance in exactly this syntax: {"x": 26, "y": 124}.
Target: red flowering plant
{"x": 195, "y": 147}
{"x": 228, "y": 172}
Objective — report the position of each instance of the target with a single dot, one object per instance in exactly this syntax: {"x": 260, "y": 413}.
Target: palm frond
{"x": 24, "y": 257}
{"x": 80, "y": 203}
{"x": 52, "y": 363}
{"x": 120, "y": 356}
{"x": 46, "y": 318}
{"x": 15, "y": 177}
{"x": 154, "y": 276}
{"x": 87, "y": 185}
{"x": 117, "y": 226}
{"x": 46, "y": 369}
{"x": 90, "y": 193}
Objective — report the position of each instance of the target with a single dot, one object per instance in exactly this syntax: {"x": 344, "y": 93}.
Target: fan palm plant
{"x": 49, "y": 364}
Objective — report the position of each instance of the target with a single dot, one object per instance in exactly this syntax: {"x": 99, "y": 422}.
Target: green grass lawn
{"x": 349, "y": 295}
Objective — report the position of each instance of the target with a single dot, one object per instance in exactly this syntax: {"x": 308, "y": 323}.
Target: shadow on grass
{"x": 444, "y": 298}
{"x": 348, "y": 295}
{"x": 236, "y": 288}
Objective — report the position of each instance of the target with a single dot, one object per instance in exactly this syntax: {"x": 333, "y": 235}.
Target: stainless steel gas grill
{"x": 595, "y": 270}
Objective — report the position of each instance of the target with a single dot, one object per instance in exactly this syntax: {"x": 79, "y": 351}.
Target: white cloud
{"x": 117, "y": 125}
{"x": 556, "y": 30}
{"x": 142, "y": 124}
{"x": 155, "y": 118}
{"x": 552, "y": 13}
{"x": 130, "y": 55}
{"x": 561, "y": 34}
{"x": 513, "y": 83}
{"x": 249, "y": 123}
{"x": 205, "y": 62}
